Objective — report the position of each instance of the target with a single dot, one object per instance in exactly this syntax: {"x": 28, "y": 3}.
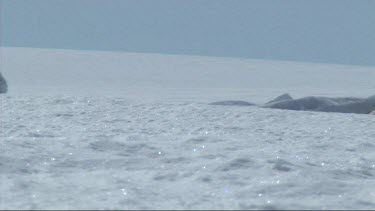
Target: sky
{"x": 324, "y": 31}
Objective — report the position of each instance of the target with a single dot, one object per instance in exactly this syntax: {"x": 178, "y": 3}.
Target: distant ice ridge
{"x": 311, "y": 103}
{"x": 3, "y": 84}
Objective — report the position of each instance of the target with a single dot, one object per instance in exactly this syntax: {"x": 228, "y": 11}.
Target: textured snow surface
{"x": 106, "y": 153}
{"x": 65, "y": 150}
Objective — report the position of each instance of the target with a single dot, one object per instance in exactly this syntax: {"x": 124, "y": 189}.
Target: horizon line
{"x": 194, "y": 55}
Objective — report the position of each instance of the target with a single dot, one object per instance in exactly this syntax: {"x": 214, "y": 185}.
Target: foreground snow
{"x": 114, "y": 136}
{"x": 84, "y": 153}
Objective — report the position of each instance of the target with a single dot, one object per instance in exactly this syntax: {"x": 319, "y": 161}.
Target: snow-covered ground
{"x": 107, "y": 130}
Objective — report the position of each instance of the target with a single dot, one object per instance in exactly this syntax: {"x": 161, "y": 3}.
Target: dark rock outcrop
{"x": 325, "y": 104}
{"x": 311, "y": 103}
{"x": 280, "y": 98}
{"x": 233, "y": 103}
{"x": 3, "y": 84}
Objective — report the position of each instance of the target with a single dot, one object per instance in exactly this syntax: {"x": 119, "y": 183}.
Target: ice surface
{"x": 155, "y": 76}
{"x": 73, "y": 134}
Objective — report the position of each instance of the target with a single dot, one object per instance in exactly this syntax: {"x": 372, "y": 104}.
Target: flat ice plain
{"x": 107, "y": 130}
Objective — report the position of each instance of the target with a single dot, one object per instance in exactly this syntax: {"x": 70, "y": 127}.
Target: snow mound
{"x": 280, "y": 98}
{"x": 3, "y": 84}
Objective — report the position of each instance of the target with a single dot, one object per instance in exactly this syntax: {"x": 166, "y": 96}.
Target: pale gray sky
{"x": 329, "y": 31}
